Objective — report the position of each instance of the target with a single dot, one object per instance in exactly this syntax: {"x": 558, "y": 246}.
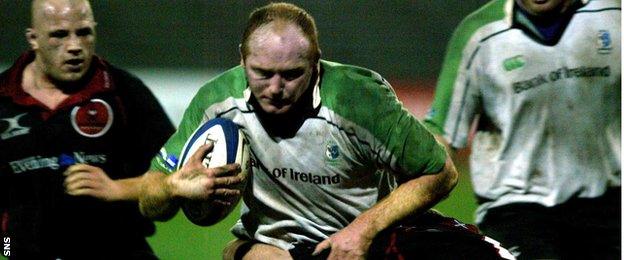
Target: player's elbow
{"x": 449, "y": 178}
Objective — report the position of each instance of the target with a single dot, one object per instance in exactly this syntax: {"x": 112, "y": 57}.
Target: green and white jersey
{"x": 549, "y": 117}
{"x": 307, "y": 187}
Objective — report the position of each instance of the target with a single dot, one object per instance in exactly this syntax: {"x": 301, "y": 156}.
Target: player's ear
{"x": 31, "y": 37}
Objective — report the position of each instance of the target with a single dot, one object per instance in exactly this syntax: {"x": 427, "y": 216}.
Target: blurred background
{"x": 176, "y": 46}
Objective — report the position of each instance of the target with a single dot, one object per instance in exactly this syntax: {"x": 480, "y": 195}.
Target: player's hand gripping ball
{"x": 229, "y": 146}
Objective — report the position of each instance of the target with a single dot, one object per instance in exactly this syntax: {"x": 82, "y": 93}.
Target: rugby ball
{"x": 229, "y": 146}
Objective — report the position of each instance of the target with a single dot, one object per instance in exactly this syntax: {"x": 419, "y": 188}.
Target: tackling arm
{"x": 155, "y": 200}
{"x": 88, "y": 180}
{"x": 410, "y": 198}
{"x": 161, "y": 194}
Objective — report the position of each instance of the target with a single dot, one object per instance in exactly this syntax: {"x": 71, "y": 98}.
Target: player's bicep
{"x": 406, "y": 148}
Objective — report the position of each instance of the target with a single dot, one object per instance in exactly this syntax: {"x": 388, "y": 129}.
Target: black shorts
{"x": 428, "y": 236}
{"x": 577, "y": 229}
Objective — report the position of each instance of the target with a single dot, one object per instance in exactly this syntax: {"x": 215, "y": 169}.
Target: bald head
{"x": 63, "y": 38}
{"x": 279, "y": 18}
{"x": 42, "y": 10}
{"x": 279, "y": 35}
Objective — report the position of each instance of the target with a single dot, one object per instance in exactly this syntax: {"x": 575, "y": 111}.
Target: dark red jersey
{"x": 112, "y": 121}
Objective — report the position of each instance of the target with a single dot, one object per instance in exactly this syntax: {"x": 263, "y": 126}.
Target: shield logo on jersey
{"x": 92, "y": 119}
{"x": 332, "y": 151}
{"x": 604, "y": 42}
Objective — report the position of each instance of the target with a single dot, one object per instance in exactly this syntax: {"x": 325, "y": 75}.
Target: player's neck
{"x": 287, "y": 125}
{"x": 37, "y": 85}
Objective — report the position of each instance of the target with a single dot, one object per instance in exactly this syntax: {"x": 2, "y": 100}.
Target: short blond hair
{"x": 283, "y": 12}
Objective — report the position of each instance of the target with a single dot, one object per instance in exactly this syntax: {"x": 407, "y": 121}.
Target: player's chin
{"x": 71, "y": 76}
{"x": 276, "y": 109}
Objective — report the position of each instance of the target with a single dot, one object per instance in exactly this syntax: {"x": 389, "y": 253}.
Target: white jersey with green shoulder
{"x": 307, "y": 187}
{"x": 549, "y": 117}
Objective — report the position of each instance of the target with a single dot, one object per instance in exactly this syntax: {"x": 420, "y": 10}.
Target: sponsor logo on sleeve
{"x": 167, "y": 161}
{"x": 14, "y": 129}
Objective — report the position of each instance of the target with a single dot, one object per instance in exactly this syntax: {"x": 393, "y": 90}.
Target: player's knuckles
{"x": 73, "y": 168}
{"x": 225, "y": 181}
{"x": 71, "y": 176}
{"x": 209, "y": 183}
{"x": 208, "y": 188}
{"x": 220, "y": 170}
{"x": 235, "y": 180}
{"x": 73, "y": 187}
{"x": 207, "y": 147}
{"x": 78, "y": 175}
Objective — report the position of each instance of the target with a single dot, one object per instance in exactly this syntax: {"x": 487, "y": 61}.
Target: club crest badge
{"x": 332, "y": 151}
{"x": 92, "y": 119}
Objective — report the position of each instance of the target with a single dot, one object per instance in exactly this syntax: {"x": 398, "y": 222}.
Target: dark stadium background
{"x": 175, "y": 46}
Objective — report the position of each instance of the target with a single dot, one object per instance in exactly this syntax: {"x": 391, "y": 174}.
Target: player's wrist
{"x": 116, "y": 191}
{"x": 170, "y": 187}
{"x": 367, "y": 227}
{"x": 125, "y": 189}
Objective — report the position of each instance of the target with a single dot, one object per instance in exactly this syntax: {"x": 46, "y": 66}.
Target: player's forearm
{"x": 155, "y": 199}
{"x": 128, "y": 189}
{"x": 410, "y": 198}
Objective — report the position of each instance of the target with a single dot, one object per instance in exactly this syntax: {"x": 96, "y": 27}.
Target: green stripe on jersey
{"x": 363, "y": 97}
{"x": 231, "y": 83}
{"x": 492, "y": 11}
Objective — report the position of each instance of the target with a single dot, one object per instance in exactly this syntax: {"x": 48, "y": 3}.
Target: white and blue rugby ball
{"x": 229, "y": 146}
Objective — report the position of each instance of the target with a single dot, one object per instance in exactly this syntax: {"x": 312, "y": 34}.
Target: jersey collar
{"x": 510, "y": 10}
{"x": 544, "y": 32}
{"x": 11, "y": 83}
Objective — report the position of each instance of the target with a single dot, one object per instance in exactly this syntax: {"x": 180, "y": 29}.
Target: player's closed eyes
{"x": 292, "y": 74}
{"x": 64, "y": 33}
